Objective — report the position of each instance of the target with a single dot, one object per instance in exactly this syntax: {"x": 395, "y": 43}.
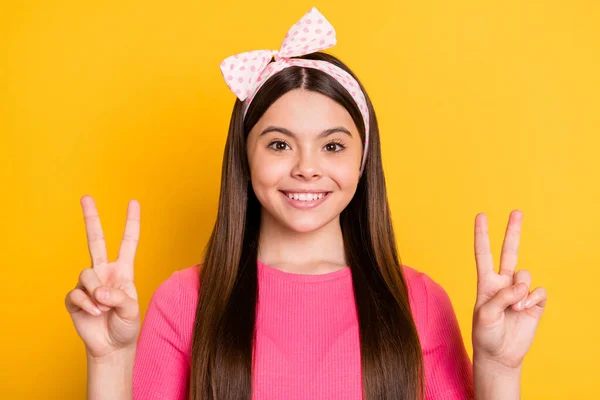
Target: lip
{"x": 305, "y": 205}
{"x": 305, "y": 191}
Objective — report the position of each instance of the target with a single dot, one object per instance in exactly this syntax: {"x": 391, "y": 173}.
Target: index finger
{"x": 483, "y": 254}
{"x": 131, "y": 237}
{"x": 93, "y": 228}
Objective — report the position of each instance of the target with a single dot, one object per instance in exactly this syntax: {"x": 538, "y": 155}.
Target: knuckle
{"x": 510, "y": 251}
{"x": 523, "y": 275}
{"x": 524, "y": 272}
{"x": 483, "y": 315}
{"x": 69, "y": 297}
{"x": 104, "y": 293}
{"x": 76, "y": 297}
{"x": 135, "y": 307}
{"x": 78, "y": 294}
{"x": 481, "y": 252}
{"x": 133, "y": 221}
{"x": 130, "y": 238}
{"x": 481, "y": 232}
{"x": 92, "y": 217}
{"x": 100, "y": 260}
{"x": 94, "y": 237}
{"x": 133, "y": 310}
{"x": 514, "y": 230}
{"x": 86, "y": 276}
{"x": 508, "y": 292}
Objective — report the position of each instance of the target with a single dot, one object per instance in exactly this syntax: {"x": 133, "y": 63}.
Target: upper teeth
{"x": 305, "y": 196}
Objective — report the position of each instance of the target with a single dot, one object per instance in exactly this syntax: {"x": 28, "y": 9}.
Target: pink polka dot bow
{"x": 246, "y": 72}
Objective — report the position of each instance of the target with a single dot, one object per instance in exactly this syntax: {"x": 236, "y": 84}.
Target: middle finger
{"x": 510, "y": 246}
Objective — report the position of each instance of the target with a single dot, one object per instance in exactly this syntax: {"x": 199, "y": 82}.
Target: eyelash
{"x": 335, "y": 141}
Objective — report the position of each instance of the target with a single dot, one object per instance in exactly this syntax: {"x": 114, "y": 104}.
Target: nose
{"x": 307, "y": 166}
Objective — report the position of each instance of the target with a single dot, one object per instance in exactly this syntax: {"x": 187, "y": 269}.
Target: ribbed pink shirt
{"x": 307, "y": 343}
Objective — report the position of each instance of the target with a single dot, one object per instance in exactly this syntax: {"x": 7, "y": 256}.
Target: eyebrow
{"x": 323, "y": 134}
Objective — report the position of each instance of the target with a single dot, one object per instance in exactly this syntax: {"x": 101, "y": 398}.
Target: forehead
{"x": 306, "y": 112}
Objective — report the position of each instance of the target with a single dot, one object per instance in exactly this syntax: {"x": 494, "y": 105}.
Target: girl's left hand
{"x": 506, "y": 315}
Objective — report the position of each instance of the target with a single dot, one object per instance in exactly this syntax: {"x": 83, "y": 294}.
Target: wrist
{"x": 491, "y": 366}
{"x": 122, "y": 356}
{"x": 111, "y": 376}
{"x": 496, "y": 381}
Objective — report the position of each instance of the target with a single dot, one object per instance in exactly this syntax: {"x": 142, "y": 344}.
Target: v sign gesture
{"x": 107, "y": 324}
{"x": 506, "y": 315}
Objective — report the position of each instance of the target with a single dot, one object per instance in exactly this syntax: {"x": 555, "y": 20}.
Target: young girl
{"x": 301, "y": 294}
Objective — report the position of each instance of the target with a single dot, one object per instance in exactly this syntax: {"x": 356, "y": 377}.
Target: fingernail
{"x": 95, "y": 311}
{"x": 105, "y": 293}
{"x": 528, "y": 303}
{"x": 520, "y": 305}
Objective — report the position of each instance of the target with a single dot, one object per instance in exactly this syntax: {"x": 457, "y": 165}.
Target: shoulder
{"x": 417, "y": 283}
{"x": 189, "y": 277}
{"x": 421, "y": 287}
{"x": 172, "y": 309}
{"x": 180, "y": 285}
{"x": 163, "y": 352}
{"x": 180, "y": 289}
{"x": 428, "y": 299}
{"x": 448, "y": 368}
{"x": 175, "y": 299}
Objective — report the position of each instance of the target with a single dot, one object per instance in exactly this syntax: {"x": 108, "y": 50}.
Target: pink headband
{"x": 246, "y": 72}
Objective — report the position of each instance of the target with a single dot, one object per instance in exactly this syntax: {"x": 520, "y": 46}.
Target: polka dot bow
{"x": 246, "y": 72}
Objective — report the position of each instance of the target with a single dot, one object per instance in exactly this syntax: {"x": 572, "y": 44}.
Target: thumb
{"x": 125, "y": 307}
{"x": 505, "y": 298}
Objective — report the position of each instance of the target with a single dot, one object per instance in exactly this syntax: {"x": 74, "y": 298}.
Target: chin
{"x": 309, "y": 225}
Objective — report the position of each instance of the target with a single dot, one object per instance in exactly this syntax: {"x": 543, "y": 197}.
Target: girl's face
{"x": 304, "y": 155}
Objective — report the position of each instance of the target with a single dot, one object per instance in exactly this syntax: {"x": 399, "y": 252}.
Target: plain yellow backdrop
{"x": 484, "y": 106}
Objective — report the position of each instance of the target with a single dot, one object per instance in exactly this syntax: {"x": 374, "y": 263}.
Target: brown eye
{"x": 279, "y": 145}
{"x": 334, "y": 147}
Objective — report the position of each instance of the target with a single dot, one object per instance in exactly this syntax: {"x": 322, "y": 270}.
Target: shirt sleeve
{"x": 161, "y": 367}
{"x": 448, "y": 369}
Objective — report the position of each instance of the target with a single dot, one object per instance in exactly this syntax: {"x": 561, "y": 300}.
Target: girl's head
{"x": 303, "y": 136}
{"x": 303, "y": 132}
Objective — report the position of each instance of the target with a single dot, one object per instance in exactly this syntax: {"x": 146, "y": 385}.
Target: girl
{"x": 301, "y": 294}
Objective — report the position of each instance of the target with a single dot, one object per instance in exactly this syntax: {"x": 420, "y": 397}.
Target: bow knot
{"x": 242, "y": 72}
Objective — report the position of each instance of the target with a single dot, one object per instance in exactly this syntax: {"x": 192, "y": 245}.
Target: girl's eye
{"x": 280, "y": 145}
{"x": 335, "y": 147}
{"x": 332, "y": 147}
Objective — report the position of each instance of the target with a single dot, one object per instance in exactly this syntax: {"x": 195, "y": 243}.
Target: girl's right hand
{"x": 117, "y": 324}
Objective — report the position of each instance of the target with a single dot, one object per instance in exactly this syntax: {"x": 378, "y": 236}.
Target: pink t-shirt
{"x": 307, "y": 343}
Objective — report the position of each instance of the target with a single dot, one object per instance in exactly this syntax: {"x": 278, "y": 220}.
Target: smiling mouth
{"x": 307, "y": 197}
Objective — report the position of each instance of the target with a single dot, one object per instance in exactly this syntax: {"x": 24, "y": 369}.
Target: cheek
{"x": 267, "y": 175}
{"x": 344, "y": 171}
{"x": 347, "y": 180}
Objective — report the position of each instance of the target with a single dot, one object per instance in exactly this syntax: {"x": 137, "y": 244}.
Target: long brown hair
{"x": 223, "y": 337}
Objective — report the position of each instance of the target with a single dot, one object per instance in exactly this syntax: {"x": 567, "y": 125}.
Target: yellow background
{"x": 484, "y": 106}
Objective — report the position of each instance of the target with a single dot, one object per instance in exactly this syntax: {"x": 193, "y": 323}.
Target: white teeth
{"x": 305, "y": 196}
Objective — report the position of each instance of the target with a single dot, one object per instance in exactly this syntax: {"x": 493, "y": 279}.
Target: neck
{"x": 318, "y": 251}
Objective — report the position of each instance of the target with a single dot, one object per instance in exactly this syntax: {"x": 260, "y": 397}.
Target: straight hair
{"x": 224, "y": 327}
